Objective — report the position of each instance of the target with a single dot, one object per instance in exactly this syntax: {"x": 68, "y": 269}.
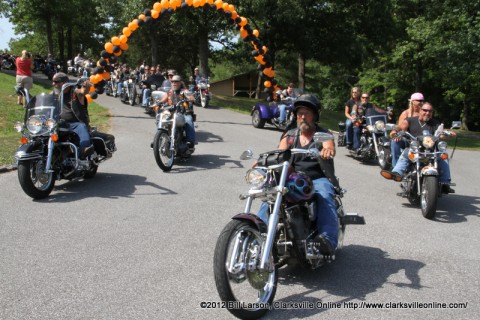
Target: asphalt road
{"x": 137, "y": 243}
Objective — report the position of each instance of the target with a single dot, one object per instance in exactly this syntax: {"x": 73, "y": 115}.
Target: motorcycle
{"x": 420, "y": 183}
{"x": 268, "y": 113}
{"x": 111, "y": 86}
{"x": 374, "y": 140}
{"x": 170, "y": 139}
{"x": 153, "y": 102}
{"x": 249, "y": 251}
{"x": 201, "y": 93}
{"x": 51, "y": 68}
{"x": 129, "y": 91}
{"x": 75, "y": 69}
{"x": 49, "y": 149}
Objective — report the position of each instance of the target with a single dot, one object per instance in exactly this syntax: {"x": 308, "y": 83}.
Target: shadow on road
{"x": 104, "y": 185}
{"x": 357, "y": 272}
{"x": 205, "y": 162}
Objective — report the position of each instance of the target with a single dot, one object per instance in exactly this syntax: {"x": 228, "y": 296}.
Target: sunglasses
{"x": 364, "y": 97}
{"x": 427, "y": 110}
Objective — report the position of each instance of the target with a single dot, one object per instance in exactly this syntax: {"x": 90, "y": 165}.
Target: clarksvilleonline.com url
{"x": 332, "y": 305}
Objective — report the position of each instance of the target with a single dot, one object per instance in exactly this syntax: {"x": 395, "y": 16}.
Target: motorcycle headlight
{"x": 34, "y": 124}
{"x": 370, "y": 128}
{"x": 380, "y": 125}
{"x": 442, "y": 146}
{"x": 256, "y": 178}
{"x": 18, "y": 126}
{"x": 414, "y": 146}
{"x": 428, "y": 142}
{"x": 50, "y": 123}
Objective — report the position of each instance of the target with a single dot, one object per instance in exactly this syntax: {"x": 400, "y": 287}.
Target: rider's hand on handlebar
{"x": 327, "y": 153}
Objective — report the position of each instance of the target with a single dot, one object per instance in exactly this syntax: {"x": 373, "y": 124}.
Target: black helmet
{"x": 308, "y": 101}
{"x": 60, "y": 76}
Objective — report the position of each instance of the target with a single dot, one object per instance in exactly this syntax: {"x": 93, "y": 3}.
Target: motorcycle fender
{"x": 429, "y": 171}
{"x": 265, "y": 111}
{"x": 252, "y": 219}
{"x": 25, "y": 151}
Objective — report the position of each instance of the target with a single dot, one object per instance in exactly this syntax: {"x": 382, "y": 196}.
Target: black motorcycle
{"x": 49, "y": 149}
{"x": 170, "y": 139}
{"x": 249, "y": 252}
{"x": 374, "y": 140}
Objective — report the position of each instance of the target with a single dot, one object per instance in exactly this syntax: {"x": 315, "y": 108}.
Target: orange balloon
{"x": 124, "y": 46}
{"x": 157, "y": 6}
{"x": 141, "y": 16}
{"x": 106, "y": 75}
{"x": 234, "y": 15}
{"x": 256, "y": 33}
{"x": 267, "y": 84}
{"x": 218, "y": 4}
{"x": 209, "y": 1}
{"x": 202, "y": 3}
{"x": 243, "y": 22}
{"x": 189, "y": 2}
{"x": 155, "y": 14}
{"x": 109, "y": 47}
{"x": 89, "y": 98}
{"x": 127, "y": 32}
{"x": 123, "y": 38}
{"x": 225, "y": 6}
{"x": 98, "y": 77}
{"x": 196, "y": 3}
{"x": 117, "y": 53}
{"x": 115, "y": 41}
{"x": 243, "y": 32}
{"x": 165, "y": 4}
{"x": 231, "y": 8}
{"x": 93, "y": 79}
{"x": 265, "y": 49}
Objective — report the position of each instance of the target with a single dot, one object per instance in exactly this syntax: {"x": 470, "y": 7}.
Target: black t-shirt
{"x": 416, "y": 127}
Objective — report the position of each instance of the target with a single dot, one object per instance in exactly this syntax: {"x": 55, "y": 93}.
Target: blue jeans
{"x": 119, "y": 87}
{"x": 145, "y": 96}
{"x": 396, "y": 149}
{"x": 189, "y": 128}
{"x": 81, "y": 130}
{"x": 443, "y": 167}
{"x": 327, "y": 220}
{"x": 283, "y": 112}
{"x": 357, "y": 132}
{"x": 349, "y": 131}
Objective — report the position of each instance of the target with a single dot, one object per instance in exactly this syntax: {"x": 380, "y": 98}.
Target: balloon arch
{"x": 119, "y": 44}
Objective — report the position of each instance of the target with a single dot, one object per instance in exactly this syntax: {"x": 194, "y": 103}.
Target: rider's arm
{"x": 347, "y": 112}
{"x": 328, "y": 150}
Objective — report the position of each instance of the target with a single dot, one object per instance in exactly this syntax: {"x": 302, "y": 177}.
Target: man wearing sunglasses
{"x": 416, "y": 126}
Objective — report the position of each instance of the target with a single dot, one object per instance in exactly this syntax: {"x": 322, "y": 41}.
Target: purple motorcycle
{"x": 270, "y": 112}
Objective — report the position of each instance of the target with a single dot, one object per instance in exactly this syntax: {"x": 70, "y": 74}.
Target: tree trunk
{"x": 153, "y": 45}
{"x": 48, "y": 24}
{"x": 61, "y": 46}
{"x": 70, "y": 54}
{"x": 464, "y": 116}
{"x": 301, "y": 72}
{"x": 203, "y": 51}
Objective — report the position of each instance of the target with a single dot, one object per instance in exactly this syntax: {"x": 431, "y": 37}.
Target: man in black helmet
{"x": 306, "y": 109}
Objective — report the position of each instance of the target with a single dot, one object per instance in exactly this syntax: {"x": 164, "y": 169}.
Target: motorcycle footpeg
{"x": 353, "y": 218}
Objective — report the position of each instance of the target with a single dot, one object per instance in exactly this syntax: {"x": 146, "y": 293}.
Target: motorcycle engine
{"x": 299, "y": 220}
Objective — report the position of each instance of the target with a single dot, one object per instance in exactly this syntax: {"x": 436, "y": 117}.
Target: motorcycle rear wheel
{"x": 257, "y": 122}
{"x": 429, "y": 196}
{"x": 33, "y": 179}
{"x": 161, "y": 150}
{"x": 247, "y": 293}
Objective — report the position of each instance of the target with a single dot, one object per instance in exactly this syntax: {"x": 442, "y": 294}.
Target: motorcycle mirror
{"x": 248, "y": 154}
{"x": 456, "y": 124}
{"x": 320, "y": 137}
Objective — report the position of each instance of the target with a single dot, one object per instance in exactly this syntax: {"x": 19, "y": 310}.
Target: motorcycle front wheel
{"x": 132, "y": 97}
{"x": 428, "y": 198}
{"x": 257, "y": 121}
{"x": 203, "y": 100}
{"x": 161, "y": 150}
{"x": 383, "y": 158}
{"x": 247, "y": 292}
{"x": 33, "y": 179}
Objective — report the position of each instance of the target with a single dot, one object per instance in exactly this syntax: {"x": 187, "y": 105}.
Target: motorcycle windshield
{"x": 44, "y": 105}
{"x": 202, "y": 84}
{"x": 372, "y": 119}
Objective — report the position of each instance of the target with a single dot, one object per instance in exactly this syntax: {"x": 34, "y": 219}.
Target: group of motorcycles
{"x": 420, "y": 185}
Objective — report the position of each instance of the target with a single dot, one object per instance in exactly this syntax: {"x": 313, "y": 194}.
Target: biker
{"x": 74, "y": 110}
{"x": 321, "y": 171}
{"x": 353, "y": 101}
{"x": 364, "y": 109}
{"x": 416, "y": 126}
{"x": 153, "y": 79}
{"x": 122, "y": 75}
{"x": 175, "y": 94}
{"x": 397, "y": 144}
{"x": 288, "y": 93}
